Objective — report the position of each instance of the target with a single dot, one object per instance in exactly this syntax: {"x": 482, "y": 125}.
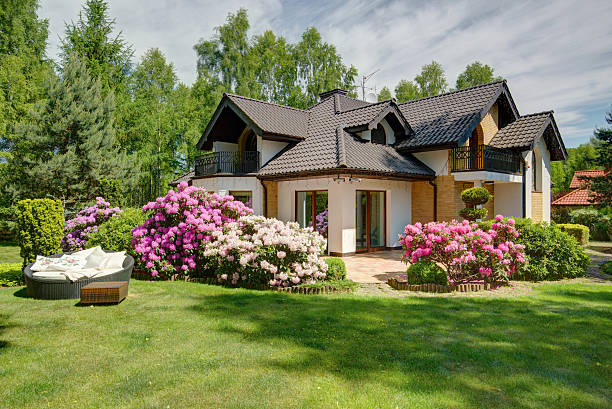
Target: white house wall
{"x": 224, "y": 184}
{"x": 269, "y": 149}
{"x": 225, "y": 147}
{"x": 342, "y": 207}
{"x": 436, "y": 160}
{"x": 508, "y": 199}
{"x": 545, "y": 166}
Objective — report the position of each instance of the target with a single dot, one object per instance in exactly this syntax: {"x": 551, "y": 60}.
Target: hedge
{"x": 578, "y": 231}
{"x": 11, "y": 275}
{"x": 426, "y": 272}
{"x": 40, "y": 224}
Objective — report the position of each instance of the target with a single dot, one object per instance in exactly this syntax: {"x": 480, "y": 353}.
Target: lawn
{"x": 177, "y": 344}
{"x": 9, "y": 253}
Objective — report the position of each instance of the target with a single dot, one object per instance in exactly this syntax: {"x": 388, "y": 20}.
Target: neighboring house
{"x": 361, "y": 171}
{"x": 581, "y": 196}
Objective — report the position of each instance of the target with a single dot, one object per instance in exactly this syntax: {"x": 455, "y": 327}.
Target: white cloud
{"x": 555, "y": 55}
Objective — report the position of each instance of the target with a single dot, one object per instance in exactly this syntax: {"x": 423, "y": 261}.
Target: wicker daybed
{"x": 62, "y": 289}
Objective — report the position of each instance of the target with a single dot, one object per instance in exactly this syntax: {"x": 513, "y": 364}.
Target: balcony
{"x": 235, "y": 163}
{"x": 484, "y": 157}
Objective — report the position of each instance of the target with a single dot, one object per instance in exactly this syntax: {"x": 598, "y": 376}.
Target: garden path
{"x": 374, "y": 267}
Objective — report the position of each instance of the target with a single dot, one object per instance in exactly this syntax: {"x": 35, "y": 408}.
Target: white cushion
{"x": 96, "y": 259}
{"x": 85, "y": 253}
{"x": 63, "y": 263}
{"x": 50, "y": 276}
{"x": 115, "y": 260}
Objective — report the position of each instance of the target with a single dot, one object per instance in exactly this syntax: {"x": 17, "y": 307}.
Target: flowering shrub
{"x": 467, "y": 252}
{"x": 86, "y": 222}
{"x": 181, "y": 223}
{"x": 321, "y": 221}
{"x": 256, "y": 250}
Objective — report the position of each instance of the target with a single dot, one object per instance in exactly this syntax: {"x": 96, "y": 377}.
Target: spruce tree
{"x": 68, "y": 146}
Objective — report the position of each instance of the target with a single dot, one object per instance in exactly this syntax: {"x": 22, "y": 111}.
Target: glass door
{"x": 311, "y": 210}
{"x": 370, "y": 223}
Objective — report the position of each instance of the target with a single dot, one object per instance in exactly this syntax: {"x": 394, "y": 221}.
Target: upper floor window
{"x": 379, "y": 136}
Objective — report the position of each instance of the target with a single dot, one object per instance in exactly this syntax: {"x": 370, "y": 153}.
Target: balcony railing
{"x": 239, "y": 162}
{"x": 484, "y": 157}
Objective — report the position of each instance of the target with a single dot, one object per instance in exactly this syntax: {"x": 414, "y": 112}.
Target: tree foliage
{"x": 476, "y": 73}
{"x": 602, "y": 185}
{"x": 431, "y": 81}
{"x": 384, "y": 94}
{"x": 91, "y": 38}
{"x": 583, "y": 157}
{"x": 268, "y": 67}
{"x": 406, "y": 91}
{"x": 69, "y": 145}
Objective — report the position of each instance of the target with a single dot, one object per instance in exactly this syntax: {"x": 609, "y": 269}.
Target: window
{"x": 378, "y": 135}
{"x": 311, "y": 210}
{"x": 244, "y": 196}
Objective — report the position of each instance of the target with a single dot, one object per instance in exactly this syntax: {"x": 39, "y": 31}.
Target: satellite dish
{"x": 371, "y": 97}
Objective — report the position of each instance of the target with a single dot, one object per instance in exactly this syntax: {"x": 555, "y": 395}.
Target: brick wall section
{"x": 422, "y": 202}
{"x": 536, "y": 206}
{"x": 272, "y": 199}
{"x": 446, "y": 198}
{"x": 489, "y": 124}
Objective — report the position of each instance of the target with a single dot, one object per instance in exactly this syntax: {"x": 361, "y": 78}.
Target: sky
{"x": 555, "y": 54}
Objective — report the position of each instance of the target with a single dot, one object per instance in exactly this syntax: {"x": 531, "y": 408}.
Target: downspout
{"x": 265, "y": 198}
{"x": 524, "y": 187}
{"x": 435, "y": 200}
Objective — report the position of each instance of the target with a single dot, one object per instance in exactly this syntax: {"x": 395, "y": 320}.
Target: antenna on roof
{"x": 364, "y": 79}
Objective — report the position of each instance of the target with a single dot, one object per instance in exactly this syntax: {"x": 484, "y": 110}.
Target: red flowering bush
{"x": 466, "y": 252}
{"x": 179, "y": 226}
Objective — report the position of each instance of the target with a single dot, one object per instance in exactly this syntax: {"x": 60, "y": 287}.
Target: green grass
{"x": 9, "y": 253}
{"x": 186, "y": 345}
{"x": 339, "y": 284}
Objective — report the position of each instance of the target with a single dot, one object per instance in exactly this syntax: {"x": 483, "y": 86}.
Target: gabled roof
{"x": 263, "y": 117}
{"x": 578, "y": 197}
{"x": 449, "y": 119}
{"x": 579, "y": 175}
{"x": 525, "y": 131}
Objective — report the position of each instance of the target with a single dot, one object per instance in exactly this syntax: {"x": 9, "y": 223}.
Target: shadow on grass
{"x": 21, "y": 293}
{"x": 499, "y": 351}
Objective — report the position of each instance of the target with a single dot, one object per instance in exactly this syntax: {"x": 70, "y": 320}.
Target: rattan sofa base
{"x": 59, "y": 290}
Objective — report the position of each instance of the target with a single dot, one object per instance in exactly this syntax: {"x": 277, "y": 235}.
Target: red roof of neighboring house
{"x": 578, "y": 197}
{"x": 578, "y": 182}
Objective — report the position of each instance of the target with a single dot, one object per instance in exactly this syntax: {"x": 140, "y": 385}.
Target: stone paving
{"x": 374, "y": 267}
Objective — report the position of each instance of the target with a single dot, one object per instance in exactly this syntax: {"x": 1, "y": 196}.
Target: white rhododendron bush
{"x": 256, "y": 250}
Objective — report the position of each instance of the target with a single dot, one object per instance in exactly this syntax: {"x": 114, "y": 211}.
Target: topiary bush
{"x": 40, "y": 228}
{"x": 116, "y": 233}
{"x": 11, "y": 275}
{"x": 426, "y": 272}
{"x": 577, "y": 231}
{"x": 473, "y": 197}
{"x": 336, "y": 268}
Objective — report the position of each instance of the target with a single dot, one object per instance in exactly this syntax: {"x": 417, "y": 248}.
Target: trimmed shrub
{"x": 426, "y": 272}
{"x": 585, "y": 217}
{"x": 116, "y": 233}
{"x": 475, "y": 196}
{"x": 336, "y": 268}
{"x": 40, "y": 228}
{"x": 11, "y": 275}
{"x": 577, "y": 231}
{"x": 256, "y": 250}
{"x": 87, "y": 222}
{"x": 473, "y": 214}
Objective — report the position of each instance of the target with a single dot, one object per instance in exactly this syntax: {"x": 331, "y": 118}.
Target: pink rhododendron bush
{"x": 78, "y": 229}
{"x": 466, "y": 252}
{"x": 256, "y": 250}
{"x": 180, "y": 225}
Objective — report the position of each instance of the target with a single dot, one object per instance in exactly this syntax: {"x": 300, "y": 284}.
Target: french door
{"x": 370, "y": 213}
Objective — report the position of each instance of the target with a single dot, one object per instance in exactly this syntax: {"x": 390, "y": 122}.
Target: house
{"x": 359, "y": 171}
{"x": 581, "y": 195}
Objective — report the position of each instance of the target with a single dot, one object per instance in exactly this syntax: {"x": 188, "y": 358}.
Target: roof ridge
{"x": 454, "y": 92}
{"x": 370, "y": 104}
{"x": 538, "y": 113}
{"x": 265, "y": 102}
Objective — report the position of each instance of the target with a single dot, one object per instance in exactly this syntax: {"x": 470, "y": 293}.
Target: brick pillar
{"x": 272, "y": 198}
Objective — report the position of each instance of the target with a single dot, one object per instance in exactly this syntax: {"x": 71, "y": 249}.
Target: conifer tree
{"x": 68, "y": 146}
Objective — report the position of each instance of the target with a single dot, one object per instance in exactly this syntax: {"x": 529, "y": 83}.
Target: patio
{"x": 374, "y": 267}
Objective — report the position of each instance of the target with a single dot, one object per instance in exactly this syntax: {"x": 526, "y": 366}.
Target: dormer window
{"x": 379, "y": 136}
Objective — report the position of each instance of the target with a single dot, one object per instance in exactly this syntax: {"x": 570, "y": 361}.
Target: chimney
{"x": 324, "y": 95}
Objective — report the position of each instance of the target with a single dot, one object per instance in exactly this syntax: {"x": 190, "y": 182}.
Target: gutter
{"x": 265, "y": 198}
{"x": 524, "y": 196}
{"x": 435, "y": 200}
